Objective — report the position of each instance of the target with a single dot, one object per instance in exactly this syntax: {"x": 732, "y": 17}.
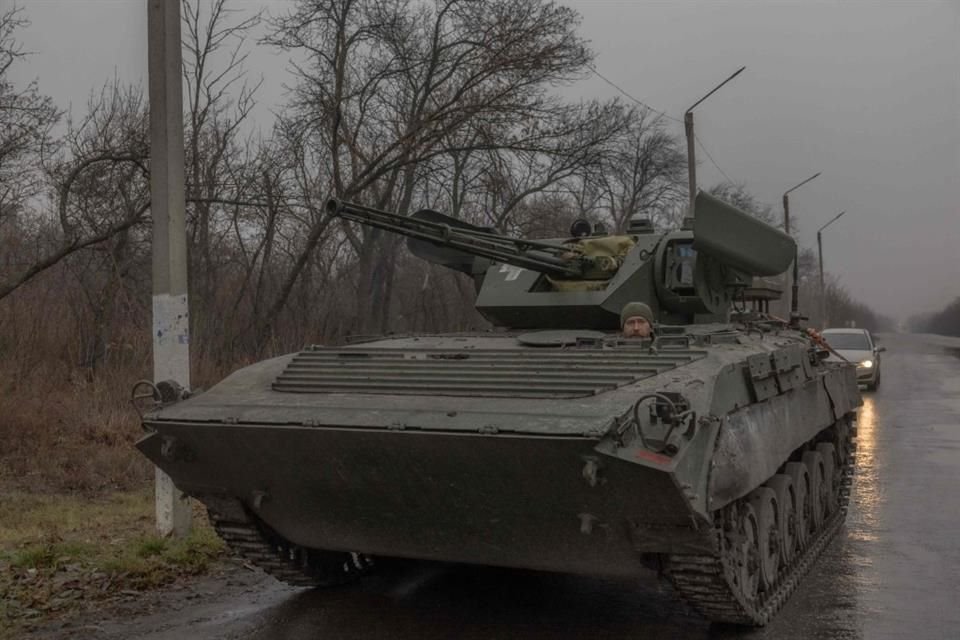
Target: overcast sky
{"x": 868, "y": 93}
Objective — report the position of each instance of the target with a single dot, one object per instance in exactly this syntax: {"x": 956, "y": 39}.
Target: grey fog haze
{"x": 868, "y": 93}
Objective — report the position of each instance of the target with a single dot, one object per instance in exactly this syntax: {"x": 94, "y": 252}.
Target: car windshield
{"x": 848, "y": 341}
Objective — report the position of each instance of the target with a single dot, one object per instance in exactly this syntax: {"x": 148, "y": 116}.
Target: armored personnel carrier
{"x": 718, "y": 452}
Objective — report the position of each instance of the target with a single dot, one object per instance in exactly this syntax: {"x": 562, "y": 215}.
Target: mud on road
{"x": 203, "y": 607}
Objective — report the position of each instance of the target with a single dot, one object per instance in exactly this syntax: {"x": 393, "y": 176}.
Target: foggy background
{"x": 866, "y": 92}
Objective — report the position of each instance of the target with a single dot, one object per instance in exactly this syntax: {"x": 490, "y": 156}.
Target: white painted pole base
{"x": 171, "y": 349}
{"x": 173, "y": 508}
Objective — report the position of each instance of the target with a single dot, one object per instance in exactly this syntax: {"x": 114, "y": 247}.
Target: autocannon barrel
{"x": 438, "y": 229}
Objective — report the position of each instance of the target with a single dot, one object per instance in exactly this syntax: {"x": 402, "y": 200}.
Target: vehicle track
{"x": 709, "y": 584}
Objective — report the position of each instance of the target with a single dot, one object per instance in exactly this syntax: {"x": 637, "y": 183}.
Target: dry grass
{"x": 64, "y": 428}
{"x": 26, "y": 518}
{"x": 63, "y": 553}
{"x": 76, "y": 503}
{"x": 63, "y": 432}
{"x": 66, "y": 422}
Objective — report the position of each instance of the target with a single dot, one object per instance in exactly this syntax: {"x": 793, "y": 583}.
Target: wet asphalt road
{"x": 893, "y": 571}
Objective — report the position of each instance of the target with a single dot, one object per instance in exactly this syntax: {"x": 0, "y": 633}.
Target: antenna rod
{"x": 691, "y": 137}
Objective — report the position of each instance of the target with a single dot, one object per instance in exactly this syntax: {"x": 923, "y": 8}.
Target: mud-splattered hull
{"x": 534, "y": 502}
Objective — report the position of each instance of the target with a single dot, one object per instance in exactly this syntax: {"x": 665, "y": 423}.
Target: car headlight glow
{"x": 866, "y": 364}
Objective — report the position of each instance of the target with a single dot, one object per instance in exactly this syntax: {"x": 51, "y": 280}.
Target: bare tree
{"x": 219, "y": 102}
{"x": 27, "y": 118}
{"x": 385, "y": 86}
{"x": 568, "y": 143}
{"x": 100, "y": 179}
{"x": 643, "y": 171}
{"x": 103, "y": 195}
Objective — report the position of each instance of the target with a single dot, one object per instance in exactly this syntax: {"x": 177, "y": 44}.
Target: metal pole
{"x": 786, "y": 214}
{"x": 691, "y": 140}
{"x": 823, "y": 290}
{"x": 792, "y": 274}
{"x": 823, "y": 297}
{"x": 691, "y": 158}
{"x": 171, "y": 335}
{"x": 795, "y": 286}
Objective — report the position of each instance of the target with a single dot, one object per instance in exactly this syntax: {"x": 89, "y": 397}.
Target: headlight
{"x": 866, "y": 364}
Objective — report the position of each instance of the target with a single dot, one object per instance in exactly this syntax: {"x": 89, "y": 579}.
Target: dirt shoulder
{"x": 215, "y": 605}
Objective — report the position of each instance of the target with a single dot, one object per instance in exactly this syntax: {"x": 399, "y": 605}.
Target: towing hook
{"x": 147, "y": 396}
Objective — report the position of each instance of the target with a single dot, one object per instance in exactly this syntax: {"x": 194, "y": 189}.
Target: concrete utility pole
{"x": 171, "y": 318}
{"x": 823, "y": 290}
{"x": 795, "y": 286}
{"x": 691, "y": 140}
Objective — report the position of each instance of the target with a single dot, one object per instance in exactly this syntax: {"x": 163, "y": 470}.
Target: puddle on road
{"x": 868, "y": 492}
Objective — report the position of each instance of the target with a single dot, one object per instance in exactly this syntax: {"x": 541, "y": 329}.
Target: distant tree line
{"x": 945, "y": 322}
{"x": 844, "y": 310}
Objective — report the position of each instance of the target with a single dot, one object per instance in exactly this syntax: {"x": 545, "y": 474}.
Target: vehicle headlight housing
{"x": 865, "y": 364}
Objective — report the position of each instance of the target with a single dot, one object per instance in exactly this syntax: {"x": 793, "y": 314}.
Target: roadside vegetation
{"x": 946, "y": 322}
{"x": 61, "y": 554}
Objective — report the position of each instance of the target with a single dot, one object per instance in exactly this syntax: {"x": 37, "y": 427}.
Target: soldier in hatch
{"x": 636, "y": 320}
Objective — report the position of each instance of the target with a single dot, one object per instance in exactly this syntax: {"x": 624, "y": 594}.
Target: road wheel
{"x": 764, "y": 504}
{"x": 743, "y": 537}
{"x": 290, "y": 563}
{"x": 803, "y": 514}
{"x": 831, "y": 474}
{"x": 782, "y": 485}
{"x": 818, "y": 488}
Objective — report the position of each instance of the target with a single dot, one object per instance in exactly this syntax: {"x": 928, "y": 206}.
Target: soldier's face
{"x": 637, "y": 327}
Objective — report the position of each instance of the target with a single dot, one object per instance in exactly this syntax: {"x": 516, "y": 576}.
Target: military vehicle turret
{"x": 719, "y": 452}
